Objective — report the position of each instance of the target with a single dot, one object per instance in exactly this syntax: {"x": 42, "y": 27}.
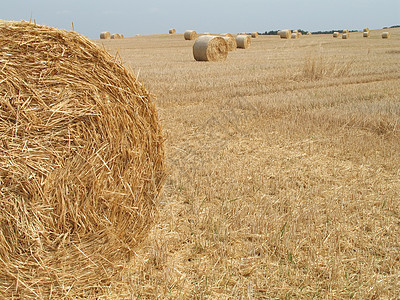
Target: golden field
{"x": 284, "y": 169}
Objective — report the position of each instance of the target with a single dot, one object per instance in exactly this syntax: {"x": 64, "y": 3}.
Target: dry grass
{"x": 284, "y": 170}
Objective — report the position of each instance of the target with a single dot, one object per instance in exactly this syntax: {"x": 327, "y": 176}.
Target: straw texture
{"x": 105, "y": 35}
{"x": 243, "y": 41}
{"x": 81, "y": 164}
{"x": 231, "y": 42}
{"x": 190, "y": 35}
{"x": 210, "y": 48}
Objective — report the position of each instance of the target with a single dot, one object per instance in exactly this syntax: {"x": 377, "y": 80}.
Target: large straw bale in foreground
{"x": 210, "y": 48}
{"x": 81, "y": 164}
{"x": 243, "y": 41}
{"x": 190, "y": 35}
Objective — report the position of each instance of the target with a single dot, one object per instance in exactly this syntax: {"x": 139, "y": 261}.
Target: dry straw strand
{"x": 210, "y": 48}
{"x": 243, "y": 41}
{"x": 81, "y": 164}
{"x": 190, "y": 35}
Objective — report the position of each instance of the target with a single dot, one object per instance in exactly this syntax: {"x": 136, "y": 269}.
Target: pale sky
{"x": 158, "y": 16}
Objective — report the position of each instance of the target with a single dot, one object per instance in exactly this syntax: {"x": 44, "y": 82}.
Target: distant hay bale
{"x": 254, "y": 35}
{"x": 210, "y": 48}
{"x": 81, "y": 165}
{"x": 336, "y": 34}
{"x": 190, "y": 35}
{"x": 227, "y": 34}
{"x": 366, "y": 34}
{"x": 385, "y": 35}
{"x": 243, "y": 41}
{"x": 122, "y": 36}
{"x": 295, "y": 35}
{"x": 366, "y": 29}
{"x": 345, "y": 36}
{"x": 309, "y": 33}
{"x": 345, "y": 31}
{"x": 285, "y": 34}
{"x": 231, "y": 42}
{"x": 105, "y": 35}
{"x": 116, "y": 36}
{"x": 172, "y": 31}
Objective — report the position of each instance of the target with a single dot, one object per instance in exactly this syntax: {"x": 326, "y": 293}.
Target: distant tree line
{"x": 275, "y": 32}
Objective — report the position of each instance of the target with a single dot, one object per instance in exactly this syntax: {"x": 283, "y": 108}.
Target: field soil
{"x": 284, "y": 169}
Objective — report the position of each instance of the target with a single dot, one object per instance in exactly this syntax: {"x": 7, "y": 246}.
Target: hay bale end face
{"x": 80, "y": 176}
{"x": 190, "y": 35}
{"x": 243, "y": 41}
{"x": 366, "y": 34}
{"x": 336, "y": 34}
{"x": 345, "y": 36}
{"x": 210, "y": 48}
{"x": 231, "y": 42}
{"x": 385, "y": 35}
{"x": 105, "y": 35}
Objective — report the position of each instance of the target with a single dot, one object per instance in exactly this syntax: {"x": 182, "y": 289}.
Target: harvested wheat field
{"x": 284, "y": 170}
{"x": 284, "y": 166}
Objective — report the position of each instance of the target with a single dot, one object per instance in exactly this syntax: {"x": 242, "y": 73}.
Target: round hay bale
{"x": 81, "y": 165}
{"x": 345, "y": 31}
{"x": 227, "y": 34}
{"x": 285, "y": 34}
{"x": 294, "y": 35}
{"x": 345, "y": 36}
{"x": 336, "y": 34}
{"x": 172, "y": 31}
{"x": 190, "y": 35}
{"x": 385, "y": 35}
{"x": 116, "y": 36}
{"x": 210, "y": 48}
{"x": 231, "y": 42}
{"x": 366, "y": 34}
{"x": 366, "y": 29}
{"x": 243, "y": 41}
{"x": 254, "y": 35}
{"x": 105, "y": 35}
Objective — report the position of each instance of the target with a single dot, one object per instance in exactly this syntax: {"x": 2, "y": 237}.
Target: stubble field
{"x": 284, "y": 169}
